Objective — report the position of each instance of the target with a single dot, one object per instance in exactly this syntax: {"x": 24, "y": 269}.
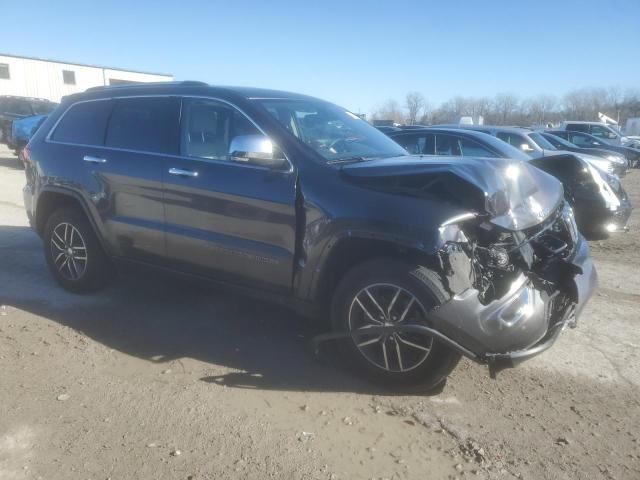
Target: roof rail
{"x": 187, "y": 83}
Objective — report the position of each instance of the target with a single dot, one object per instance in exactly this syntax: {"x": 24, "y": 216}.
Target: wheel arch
{"x": 349, "y": 250}
{"x": 52, "y": 199}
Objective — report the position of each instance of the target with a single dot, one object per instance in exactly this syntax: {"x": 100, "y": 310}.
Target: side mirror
{"x": 256, "y": 150}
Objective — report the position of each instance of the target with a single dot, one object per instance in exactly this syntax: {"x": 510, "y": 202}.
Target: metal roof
{"x": 83, "y": 64}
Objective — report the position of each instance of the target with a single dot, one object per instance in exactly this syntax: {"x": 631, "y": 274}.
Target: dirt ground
{"x": 158, "y": 378}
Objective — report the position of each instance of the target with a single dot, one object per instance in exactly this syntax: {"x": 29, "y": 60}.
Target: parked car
{"x": 414, "y": 260}
{"x": 22, "y": 130}
{"x": 533, "y": 144}
{"x": 585, "y": 140}
{"x": 13, "y": 108}
{"x": 599, "y": 201}
{"x": 562, "y": 144}
{"x": 600, "y": 130}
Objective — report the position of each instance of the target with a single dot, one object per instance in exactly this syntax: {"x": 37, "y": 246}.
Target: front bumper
{"x": 524, "y": 322}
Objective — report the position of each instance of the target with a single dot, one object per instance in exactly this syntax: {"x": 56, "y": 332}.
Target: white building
{"x": 51, "y": 79}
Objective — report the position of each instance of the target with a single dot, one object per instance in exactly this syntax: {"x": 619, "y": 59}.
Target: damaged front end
{"x": 517, "y": 274}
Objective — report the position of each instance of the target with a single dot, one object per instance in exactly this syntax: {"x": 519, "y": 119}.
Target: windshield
{"x": 43, "y": 108}
{"x": 541, "y": 141}
{"x": 331, "y": 131}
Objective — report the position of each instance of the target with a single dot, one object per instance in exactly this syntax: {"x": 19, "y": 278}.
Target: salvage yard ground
{"x": 158, "y": 378}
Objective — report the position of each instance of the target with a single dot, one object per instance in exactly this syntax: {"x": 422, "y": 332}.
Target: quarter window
{"x": 4, "y": 71}
{"x": 145, "y": 124}
{"x": 84, "y": 123}
{"x": 208, "y": 127}
{"x": 69, "y": 77}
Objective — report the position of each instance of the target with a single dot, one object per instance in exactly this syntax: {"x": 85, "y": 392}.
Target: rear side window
{"x": 145, "y": 124}
{"x": 84, "y": 123}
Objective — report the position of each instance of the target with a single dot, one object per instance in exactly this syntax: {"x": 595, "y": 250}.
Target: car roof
{"x": 438, "y": 129}
{"x": 185, "y": 87}
{"x": 584, "y": 122}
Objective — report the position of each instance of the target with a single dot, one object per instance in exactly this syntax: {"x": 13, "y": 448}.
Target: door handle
{"x": 183, "y": 173}
{"x": 90, "y": 159}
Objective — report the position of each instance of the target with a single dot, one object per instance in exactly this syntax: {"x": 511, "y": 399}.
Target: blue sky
{"x": 354, "y": 53}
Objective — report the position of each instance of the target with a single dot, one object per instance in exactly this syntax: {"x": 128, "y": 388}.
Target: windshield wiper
{"x": 348, "y": 160}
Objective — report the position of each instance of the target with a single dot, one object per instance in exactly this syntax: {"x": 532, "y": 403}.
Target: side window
{"x": 504, "y": 137}
{"x": 416, "y": 144}
{"x": 145, "y": 124}
{"x": 601, "y": 132}
{"x": 5, "y": 73}
{"x": 208, "y": 126}
{"x": 470, "y": 148}
{"x": 446, "y": 145}
{"x": 84, "y": 123}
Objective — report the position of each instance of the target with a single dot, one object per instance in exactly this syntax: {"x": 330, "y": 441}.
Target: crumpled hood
{"x": 517, "y": 195}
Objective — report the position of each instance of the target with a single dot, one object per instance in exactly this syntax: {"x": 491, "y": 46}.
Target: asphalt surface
{"x": 157, "y": 377}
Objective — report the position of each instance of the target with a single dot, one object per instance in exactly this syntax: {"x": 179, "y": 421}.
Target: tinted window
{"x": 583, "y": 140}
{"x": 208, "y": 128}
{"x": 417, "y": 144}
{"x": 578, "y": 127}
{"x": 469, "y": 148}
{"x": 145, "y": 124}
{"x": 446, "y": 145}
{"x": 518, "y": 141}
{"x": 18, "y": 106}
{"x": 84, "y": 123}
{"x": 4, "y": 71}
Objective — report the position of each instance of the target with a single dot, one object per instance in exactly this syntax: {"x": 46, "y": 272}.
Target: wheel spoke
{"x": 75, "y": 267}
{"x": 399, "y": 356}
{"x": 392, "y": 304}
{"x": 384, "y": 315}
{"x": 58, "y": 235}
{"x": 61, "y": 254}
{"x": 73, "y": 275}
{"x": 411, "y": 344}
{"x": 406, "y": 310}
{"x": 71, "y": 237}
{"x": 55, "y": 244}
{"x": 384, "y": 354}
{"x": 369, "y": 342}
{"x": 366, "y": 312}
{"x": 66, "y": 233}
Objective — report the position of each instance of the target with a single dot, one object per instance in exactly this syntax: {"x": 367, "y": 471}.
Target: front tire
{"x": 386, "y": 292}
{"x": 73, "y": 253}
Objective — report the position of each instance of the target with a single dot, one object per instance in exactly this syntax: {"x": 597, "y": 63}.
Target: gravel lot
{"x": 158, "y": 378}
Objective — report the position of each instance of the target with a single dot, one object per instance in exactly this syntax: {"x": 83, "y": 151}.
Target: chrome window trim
{"x": 48, "y": 138}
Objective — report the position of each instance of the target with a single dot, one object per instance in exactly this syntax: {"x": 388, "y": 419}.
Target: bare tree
{"x": 389, "y": 110}
{"x": 414, "y": 103}
{"x": 505, "y": 105}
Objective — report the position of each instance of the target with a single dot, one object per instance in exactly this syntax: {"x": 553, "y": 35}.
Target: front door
{"x": 231, "y": 221}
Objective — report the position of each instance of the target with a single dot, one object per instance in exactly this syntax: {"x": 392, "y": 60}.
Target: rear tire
{"x": 407, "y": 361}
{"x": 73, "y": 253}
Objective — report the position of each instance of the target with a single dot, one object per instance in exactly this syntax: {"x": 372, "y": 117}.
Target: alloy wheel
{"x": 383, "y": 304}
{"x": 68, "y": 251}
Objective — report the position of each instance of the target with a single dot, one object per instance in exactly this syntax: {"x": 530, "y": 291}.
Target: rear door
{"x": 228, "y": 220}
{"x": 115, "y": 151}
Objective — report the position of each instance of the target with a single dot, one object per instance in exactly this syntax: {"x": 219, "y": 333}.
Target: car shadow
{"x": 162, "y": 318}
{"x": 13, "y": 163}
